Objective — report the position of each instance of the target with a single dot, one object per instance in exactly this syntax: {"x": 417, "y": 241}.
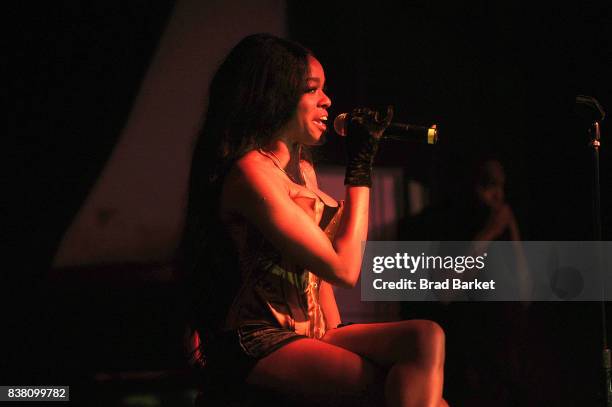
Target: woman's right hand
{"x": 364, "y": 130}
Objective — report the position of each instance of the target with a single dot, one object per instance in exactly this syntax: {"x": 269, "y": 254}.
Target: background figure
{"x": 470, "y": 205}
{"x": 500, "y": 224}
{"x": 489, "y": 188}
{"x": 486, "y": 341}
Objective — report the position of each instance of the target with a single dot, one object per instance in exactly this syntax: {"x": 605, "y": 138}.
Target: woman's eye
{"x": 311, "y": 90}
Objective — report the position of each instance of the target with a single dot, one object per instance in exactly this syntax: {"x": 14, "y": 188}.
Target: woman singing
{"x": 264, "y": 245}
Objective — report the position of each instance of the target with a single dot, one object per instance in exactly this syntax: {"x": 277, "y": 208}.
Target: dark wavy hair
{"x": 253, "y": 94}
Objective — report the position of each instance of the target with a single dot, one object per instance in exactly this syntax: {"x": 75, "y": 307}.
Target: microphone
{"x": 396, "y": 131}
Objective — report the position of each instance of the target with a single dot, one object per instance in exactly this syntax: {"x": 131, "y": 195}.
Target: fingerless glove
{"x": 364, "y": 129}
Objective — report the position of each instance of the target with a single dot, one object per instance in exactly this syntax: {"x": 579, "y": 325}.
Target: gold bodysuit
{"x": 277, "y": 301}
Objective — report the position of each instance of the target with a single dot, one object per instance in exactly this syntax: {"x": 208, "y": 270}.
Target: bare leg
{"x": 413, "y": 351}
{"x": 322, "y": 373}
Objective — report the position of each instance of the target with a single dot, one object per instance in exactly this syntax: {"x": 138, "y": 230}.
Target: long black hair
{"x": 253, "y": 94}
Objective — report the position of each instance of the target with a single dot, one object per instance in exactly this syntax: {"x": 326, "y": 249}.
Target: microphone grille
{"x": 340, "y": 124}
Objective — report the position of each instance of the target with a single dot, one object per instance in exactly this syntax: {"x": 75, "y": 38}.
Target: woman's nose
{"x": 325, "y": 101}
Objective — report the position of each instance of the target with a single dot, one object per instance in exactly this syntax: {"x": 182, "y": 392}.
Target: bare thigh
{"x": 311, "y": 369}
{"x": 391, "y": 342}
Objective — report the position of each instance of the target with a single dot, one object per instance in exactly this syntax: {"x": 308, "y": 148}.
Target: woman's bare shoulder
{"x": 250, "y": 168}
{"x": 251, "y": 175}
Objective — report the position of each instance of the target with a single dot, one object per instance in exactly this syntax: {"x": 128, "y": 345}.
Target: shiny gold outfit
{"x": 278, "y": 301}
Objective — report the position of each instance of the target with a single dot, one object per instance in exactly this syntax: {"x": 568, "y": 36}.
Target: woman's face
{"x": 309, "y": 121}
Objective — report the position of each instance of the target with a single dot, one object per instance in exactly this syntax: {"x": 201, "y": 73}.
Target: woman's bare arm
{"x": 255, "y": 190}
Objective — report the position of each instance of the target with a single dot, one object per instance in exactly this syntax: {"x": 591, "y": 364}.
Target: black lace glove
{"x": 364, "y": 129}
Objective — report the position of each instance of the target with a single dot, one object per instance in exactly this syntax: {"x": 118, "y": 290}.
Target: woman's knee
{"x": 430, "y": 344}
{"x": 434, "y": 333}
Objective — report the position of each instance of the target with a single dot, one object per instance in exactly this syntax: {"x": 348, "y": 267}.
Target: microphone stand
{"x": 595, "y": 143}
{"x": 588, "y": 107}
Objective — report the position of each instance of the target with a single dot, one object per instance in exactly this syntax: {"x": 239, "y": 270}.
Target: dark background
{"x": 497, "y": 77}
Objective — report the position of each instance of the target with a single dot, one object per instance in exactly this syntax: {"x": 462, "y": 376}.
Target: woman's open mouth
{"x": 320, "y": 123}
